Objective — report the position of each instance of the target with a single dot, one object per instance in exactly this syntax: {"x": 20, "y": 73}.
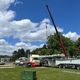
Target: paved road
{"x": 7, "y": 65}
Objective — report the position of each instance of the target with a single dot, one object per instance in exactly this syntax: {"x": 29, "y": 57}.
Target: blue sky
{"x": 23, "y": 22}
{"x": 66, "y": 13}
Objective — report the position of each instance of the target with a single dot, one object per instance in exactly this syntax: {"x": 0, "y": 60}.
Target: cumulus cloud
{"x": 26, "y": 46}
{"x": 28, "y": 31}
{"x": 5, "y": 4}
{"x": 20, "y": 45}
{"x": 25, "y": 30}
{"x": 18, "y": 2}
{"x": 6, "y": 15}
{"x": 72, "y": 35}
{"x": 5, "y": 47}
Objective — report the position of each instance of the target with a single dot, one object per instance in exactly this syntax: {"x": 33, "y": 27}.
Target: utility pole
{"x": 59, "y": 37}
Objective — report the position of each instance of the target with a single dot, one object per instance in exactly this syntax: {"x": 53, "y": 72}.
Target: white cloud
{"x": 23, "y": 25}
{"x": 46, "y": 21}
{"x": 20, "y": 45}
{"x": 5, "y": 48}
{"x": 18, "y": 2}
{"x": 26, "y": 46}
{"x": 26, "y": 30}
{"x": 72, "y": 35}
{"x": 5, "y": 4}
{"x": 3, "y": 42}
{"x": 6, "y": 15}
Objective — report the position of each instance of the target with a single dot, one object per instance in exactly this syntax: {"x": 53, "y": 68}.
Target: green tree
{"x": 54, "y": 44}
{"x": 77, "y": 44}
{"x": 21, "y": 53}
{"x": 27, "y": 53}
{"x": 17, "y": 54}
{"x": 70, "y": 46}
{"x": 14, "y": 56}
{"x": 43, "y": 51}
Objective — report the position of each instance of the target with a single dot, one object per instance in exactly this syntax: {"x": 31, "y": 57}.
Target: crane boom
{"x": 59, "y": 38}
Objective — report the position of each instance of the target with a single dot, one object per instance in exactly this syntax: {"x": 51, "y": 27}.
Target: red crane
{"x": 59, "y": 38}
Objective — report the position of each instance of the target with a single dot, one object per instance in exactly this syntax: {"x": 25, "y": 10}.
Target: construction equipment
{"x": 59, "y": 37}
{"x": 67, "y": 62}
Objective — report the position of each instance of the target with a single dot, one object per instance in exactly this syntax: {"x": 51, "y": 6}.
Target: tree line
{"x": 20, "y": 53}
{"x": 53, "y": 46}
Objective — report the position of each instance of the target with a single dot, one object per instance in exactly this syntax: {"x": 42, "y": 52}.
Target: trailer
{"x": 68, "y": 63}
{"x": 72, "y": 63}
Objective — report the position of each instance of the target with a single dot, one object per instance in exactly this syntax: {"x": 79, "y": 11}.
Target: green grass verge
{"x": 42, "y": 74}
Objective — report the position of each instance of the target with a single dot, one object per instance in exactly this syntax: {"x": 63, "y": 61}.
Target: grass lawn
{"x": 42, "y": 74}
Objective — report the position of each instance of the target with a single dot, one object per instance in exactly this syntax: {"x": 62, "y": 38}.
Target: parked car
{"x": 17, "y": 62}
{"x": 21, "y": 61}
{"x": 2, "y": 63}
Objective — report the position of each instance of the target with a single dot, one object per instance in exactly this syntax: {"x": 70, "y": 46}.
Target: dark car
{"x": 2, "y": 63}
